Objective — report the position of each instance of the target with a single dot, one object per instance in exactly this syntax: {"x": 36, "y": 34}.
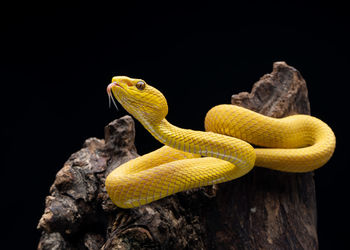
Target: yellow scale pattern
{"x": 297, "y": 143}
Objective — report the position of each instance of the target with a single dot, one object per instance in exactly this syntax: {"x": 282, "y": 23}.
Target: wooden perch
{"x": 264, "y": 209}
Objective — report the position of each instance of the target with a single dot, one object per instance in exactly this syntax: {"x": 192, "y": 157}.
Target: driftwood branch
{"x": 263, "y": 210}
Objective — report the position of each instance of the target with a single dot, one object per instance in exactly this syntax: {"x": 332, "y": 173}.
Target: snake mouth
{"x": 110, "y": 94}
{"x": 112, "y": 84}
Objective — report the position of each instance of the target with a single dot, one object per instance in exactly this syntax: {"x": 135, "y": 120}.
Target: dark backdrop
{"x": 57, "y": 59}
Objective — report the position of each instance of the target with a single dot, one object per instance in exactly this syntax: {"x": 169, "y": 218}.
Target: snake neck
{"x": 203, "y": 143}
{"x": 166, "y": 133}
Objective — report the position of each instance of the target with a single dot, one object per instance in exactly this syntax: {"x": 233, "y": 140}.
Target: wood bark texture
{"x": 264, "y": 209}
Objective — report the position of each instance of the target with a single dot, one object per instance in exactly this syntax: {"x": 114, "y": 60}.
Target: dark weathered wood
{"x": 263, "y": 210}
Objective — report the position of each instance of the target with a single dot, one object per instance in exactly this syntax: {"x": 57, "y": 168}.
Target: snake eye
{"x": 140, "y": 85}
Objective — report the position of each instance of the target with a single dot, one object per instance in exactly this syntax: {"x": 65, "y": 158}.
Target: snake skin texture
{"x": 190, "y": 159}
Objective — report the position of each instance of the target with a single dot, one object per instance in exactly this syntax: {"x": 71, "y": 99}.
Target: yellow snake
{"x": 190, "y": 159}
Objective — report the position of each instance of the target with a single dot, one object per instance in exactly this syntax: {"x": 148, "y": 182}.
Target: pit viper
{"x": 190, "y": 159}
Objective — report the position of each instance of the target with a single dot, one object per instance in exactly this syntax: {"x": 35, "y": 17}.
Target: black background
{"x": 57, "y": 58}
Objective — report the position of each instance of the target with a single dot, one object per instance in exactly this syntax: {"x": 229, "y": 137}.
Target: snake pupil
{"x": 140, "y": 85}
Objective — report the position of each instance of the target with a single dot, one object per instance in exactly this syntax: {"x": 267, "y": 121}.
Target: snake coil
{"x": 225, "y": 145}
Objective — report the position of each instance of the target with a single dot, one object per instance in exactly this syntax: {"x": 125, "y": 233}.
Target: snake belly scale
{"x": 190, "y": 159}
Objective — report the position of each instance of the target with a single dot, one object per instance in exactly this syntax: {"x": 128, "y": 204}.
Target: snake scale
{"x": 190, "y": 159}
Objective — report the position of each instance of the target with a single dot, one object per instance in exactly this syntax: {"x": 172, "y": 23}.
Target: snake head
{"x": 141, "y": 100}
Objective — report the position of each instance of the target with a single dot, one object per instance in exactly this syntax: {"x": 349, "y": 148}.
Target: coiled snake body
{"x": 297, "y": 143}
